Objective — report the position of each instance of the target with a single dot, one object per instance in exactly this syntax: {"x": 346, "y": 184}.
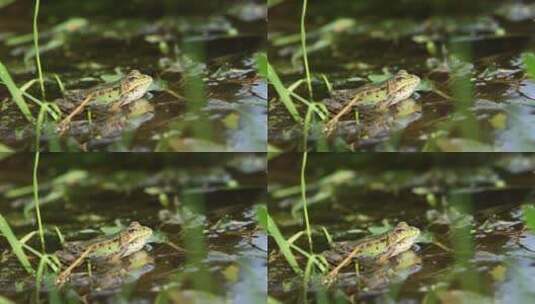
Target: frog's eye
{"x": 401, "y": 226}
{"x": 133, "y": 226}
{"x": 134, "y": 74}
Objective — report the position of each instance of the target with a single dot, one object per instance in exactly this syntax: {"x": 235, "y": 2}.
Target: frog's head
{"x": 134, "y": 85}
{"x": 403, "y": 236}
{"x": 134, "y": 237}
{"x": 402, "y": 85}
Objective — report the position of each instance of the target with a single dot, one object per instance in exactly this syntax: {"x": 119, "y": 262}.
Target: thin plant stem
{"x": 304, "y": 47}
{"x": 306, "y": 127}
{"x": 39, "y": 125}
{"x": 36, "y": 200}
{"x": 304, "y": 198}
{"x": 36, "y": 45}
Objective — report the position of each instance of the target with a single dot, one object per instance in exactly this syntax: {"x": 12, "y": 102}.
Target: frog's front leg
{"x": 385, "y": 256}
{"x": 387, "y": 103}
{"x": 112, "y": 259}
{"x": 116, "y": 106}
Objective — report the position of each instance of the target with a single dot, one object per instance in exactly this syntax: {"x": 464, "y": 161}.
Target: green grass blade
{"x": 283, "y": 93}
{"x": 55, "y": 265}
{"x": 327, "y": 235}
{"x": 39, "y": 278}
{"x": 304, "y": 47}
{"x": 39, "y": 126}
{"x": 269, "y": 225}
{"x": 15, "y": 244}
{"x": 36, "y": 46}
{"x": 15, "y": 93}
{"x": 36, "y": 200}
{"x": 304, "y": 198}
{"x": 5, "y": 149}
{"x": 322, "y": 267}
{"x": 4, "y": 300}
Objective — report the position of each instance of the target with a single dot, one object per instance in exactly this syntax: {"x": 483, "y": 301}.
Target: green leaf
{"x": 15, "y": 93}
{"x": 15, "y": 244}
{"x": 283, "y": 93}
{"x": 269, "y": 225}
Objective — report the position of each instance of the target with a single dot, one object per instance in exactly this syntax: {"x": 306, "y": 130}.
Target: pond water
{"x": 206, "y": 93}
{"x": 206, "y": 243}
{"x": 475, "y": 94}
{"x": 476, "y": 235}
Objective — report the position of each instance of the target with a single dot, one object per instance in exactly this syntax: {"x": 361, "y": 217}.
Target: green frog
{"x": 118, "y": 93}
{"x": 372, "y": 250}
{"x": 379, "y": 96}
{"x": 102, "y": 250}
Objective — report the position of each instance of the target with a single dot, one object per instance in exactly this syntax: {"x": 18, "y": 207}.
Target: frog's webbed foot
{"x": 62, "y": 128}
{"x": 328, "y": 280}
{"x": 383, "y": 258}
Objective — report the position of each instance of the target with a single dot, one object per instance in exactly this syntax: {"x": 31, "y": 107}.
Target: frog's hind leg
{"x": 64, "y": 124}
{"x": 332, "y": 275}
{"x": 330, "y": 126}
{"x": 63, "y": 276}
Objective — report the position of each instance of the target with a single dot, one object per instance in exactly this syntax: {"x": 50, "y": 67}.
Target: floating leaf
{"x": 498, "y": 273}
{"x": 498, "y": 121}
{"x": 231, "y": 273}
